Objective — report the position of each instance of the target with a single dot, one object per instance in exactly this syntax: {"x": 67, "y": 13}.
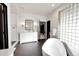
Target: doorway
{"x": 42, "y": 30}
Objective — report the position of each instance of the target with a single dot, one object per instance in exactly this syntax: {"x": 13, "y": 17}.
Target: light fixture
{"x": 35, "y": 23}
{"x": 23, "y": 24}
{"x": 53, "y": 5}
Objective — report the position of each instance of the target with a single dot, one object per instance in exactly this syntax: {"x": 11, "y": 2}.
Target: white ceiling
{"x": 33, "y": 8}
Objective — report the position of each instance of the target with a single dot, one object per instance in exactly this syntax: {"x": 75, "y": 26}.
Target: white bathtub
{"x": 53, "y": 47}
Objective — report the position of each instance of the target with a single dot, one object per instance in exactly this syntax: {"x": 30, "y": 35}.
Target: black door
{"x": 42, "y": 29}
{"x": 48, "y": 29}
{"x": 3, "y": 27}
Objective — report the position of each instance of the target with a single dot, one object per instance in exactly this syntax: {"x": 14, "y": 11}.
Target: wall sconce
{"x": 23, "y": 24}
{"x": 35, "y": 23}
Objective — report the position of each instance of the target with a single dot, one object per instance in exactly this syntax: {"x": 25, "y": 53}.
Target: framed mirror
{"x": 29, "y": 24}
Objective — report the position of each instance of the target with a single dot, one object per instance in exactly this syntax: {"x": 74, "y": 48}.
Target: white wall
{"x": 13, "y": 22}
{"x": 9, "y": 26}
{"x": 54, "y": 18}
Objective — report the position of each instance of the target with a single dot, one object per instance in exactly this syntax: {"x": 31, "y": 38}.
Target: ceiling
{"x": 34, "y": 8}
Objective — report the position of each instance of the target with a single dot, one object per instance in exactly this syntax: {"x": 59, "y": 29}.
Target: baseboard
{"x": 28, "y": 42}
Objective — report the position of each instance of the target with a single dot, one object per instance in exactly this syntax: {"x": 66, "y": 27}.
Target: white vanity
{"x": 28, "y": 37}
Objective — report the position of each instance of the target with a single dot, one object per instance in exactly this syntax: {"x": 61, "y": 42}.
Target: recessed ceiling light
{"x": 53, "y": 5}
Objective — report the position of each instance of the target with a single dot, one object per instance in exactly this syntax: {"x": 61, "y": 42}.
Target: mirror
{"x": 29, "y": 24}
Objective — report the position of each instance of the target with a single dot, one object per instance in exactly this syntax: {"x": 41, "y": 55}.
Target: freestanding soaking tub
{"x": 53, "y": 47}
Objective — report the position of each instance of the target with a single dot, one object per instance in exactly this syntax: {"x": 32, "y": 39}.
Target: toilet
{"x": 53, "y": 47}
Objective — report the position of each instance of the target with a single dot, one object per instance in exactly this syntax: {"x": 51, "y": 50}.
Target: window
{"x": 69, "y": 25}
